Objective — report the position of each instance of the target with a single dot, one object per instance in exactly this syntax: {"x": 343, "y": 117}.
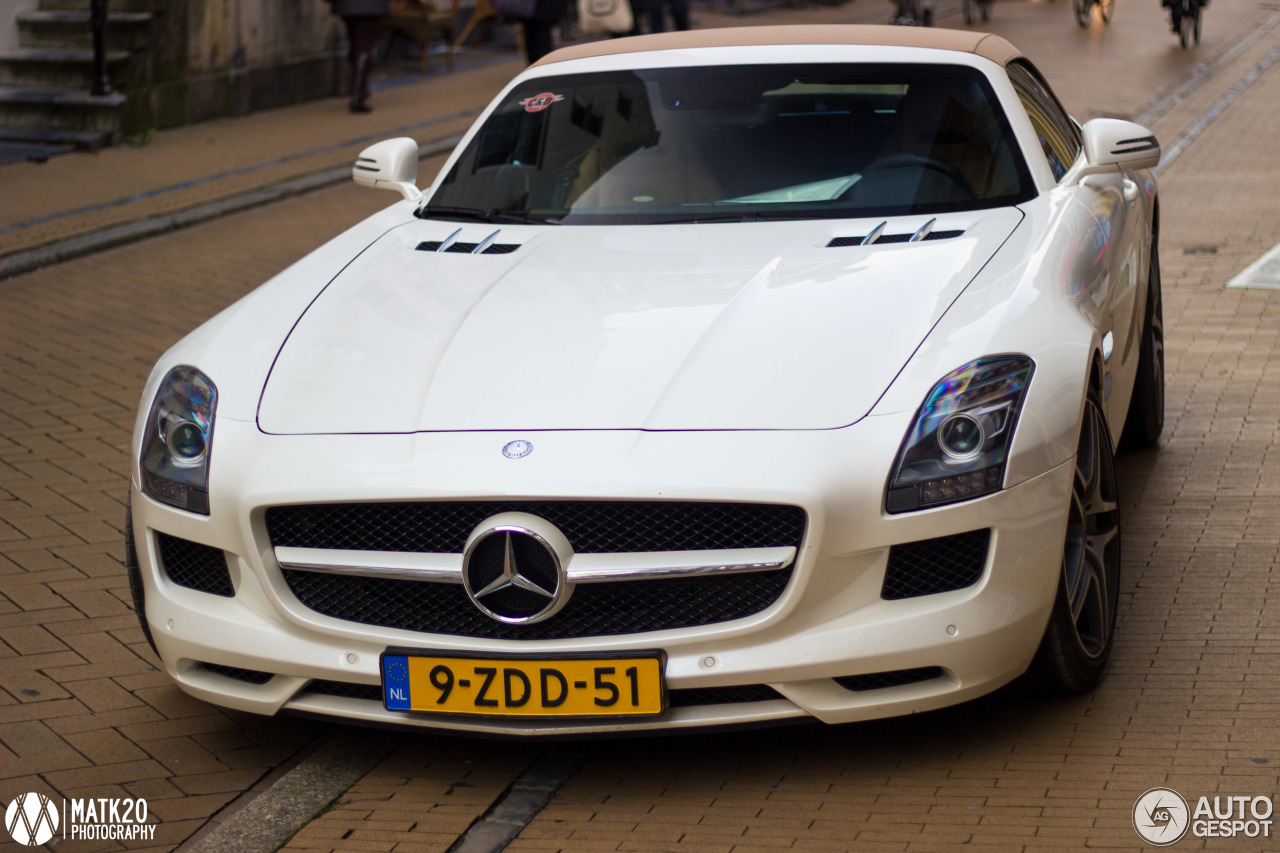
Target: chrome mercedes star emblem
{"x": 517, "y": 449}
{"x": 513, "y": 568}
{"x": 511, "y": 576}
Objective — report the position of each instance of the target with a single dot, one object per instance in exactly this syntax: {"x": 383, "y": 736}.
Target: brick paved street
{"x": 1191, "y": 699}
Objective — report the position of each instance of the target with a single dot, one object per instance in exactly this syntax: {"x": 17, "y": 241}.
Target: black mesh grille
{"x": 592, "y": 527}
{"x": 195, "y": 566}
{"x": 249, "y": 676}
{"x": 598, "y": 609}
{"x": 896, "y": 678}
{"x": 468, "y": 248}
{"x": 349, "y": 691}
{"x": 935, "y": 565}
{"x": 841, "y": 242}
{"x": 697, "y": 696}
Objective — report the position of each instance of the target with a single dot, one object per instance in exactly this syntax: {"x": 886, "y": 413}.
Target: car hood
{"x": 659, "y": 327}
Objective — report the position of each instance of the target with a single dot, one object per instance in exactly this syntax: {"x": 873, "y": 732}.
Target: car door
{"x": 1109, "y": 293}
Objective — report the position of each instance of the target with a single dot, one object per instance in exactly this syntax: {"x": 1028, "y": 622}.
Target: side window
{"x": 1058, "y": 135}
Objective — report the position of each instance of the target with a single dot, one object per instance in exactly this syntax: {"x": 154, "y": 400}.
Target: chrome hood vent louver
{"x": 881, "y": 239}
{"x": 468, "y": 248}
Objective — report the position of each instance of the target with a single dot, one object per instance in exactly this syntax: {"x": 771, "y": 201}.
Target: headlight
{"x": 175, "y": 446}
{"x": 959, "y": 441}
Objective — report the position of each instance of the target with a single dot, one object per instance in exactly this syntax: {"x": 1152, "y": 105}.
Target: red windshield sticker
{"x": 540, "y": 102}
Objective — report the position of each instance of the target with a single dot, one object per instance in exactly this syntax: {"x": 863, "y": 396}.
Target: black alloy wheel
{"x": 1082, "y": 625}
{"x": 1145, "y": 419}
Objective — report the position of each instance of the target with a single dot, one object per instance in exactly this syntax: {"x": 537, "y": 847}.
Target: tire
{"x": 1195, "y": 27}
{"x": 1083, "y": 10}
{"x": 986, "y": 10}
{"x": 136, "y": 590}
{"x": 1082, "y": 625}
{"x": 1145, "y": 419}
{"x": 968, "y": 11}
{"x": 1185, "y": 26}
{"x": 1105, "y": 8}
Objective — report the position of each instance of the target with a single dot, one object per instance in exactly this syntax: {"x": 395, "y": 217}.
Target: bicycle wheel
{"x": 1186, "y": 23}
{"x": 1083, "y": 9}
{"x": 986, "y": 9}
{"x": 1195, "y": 28}
{"x": 968, "y": 11}
{"x": 1105, "y": 7}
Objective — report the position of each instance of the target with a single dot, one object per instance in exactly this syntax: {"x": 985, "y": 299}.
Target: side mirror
{"x": 1111, "y": 144}
{"x": 391, "y": 164}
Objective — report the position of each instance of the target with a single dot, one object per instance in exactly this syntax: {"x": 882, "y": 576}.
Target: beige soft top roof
{"x": 983, "y": 44}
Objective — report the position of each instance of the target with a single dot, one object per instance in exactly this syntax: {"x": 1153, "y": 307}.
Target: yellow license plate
{"x": 523, "y": 687}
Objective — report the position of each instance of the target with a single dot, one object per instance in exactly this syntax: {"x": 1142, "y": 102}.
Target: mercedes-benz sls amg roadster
{"x": 721, "y": 377}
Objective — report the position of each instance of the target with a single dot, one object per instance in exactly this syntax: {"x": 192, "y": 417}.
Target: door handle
{"x": 1130, "y": 190}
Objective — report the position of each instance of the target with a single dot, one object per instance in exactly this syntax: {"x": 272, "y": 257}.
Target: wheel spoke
{"x": 1090, "y": 562}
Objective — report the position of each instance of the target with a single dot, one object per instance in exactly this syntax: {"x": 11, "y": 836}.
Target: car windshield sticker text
{"x": 540, "y": 102}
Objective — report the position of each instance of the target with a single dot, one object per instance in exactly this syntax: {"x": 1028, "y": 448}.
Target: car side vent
{"x": 468, "y": 248}
{"x": 195, "y": 566}
{"x": 894, "y": 678}
{"x": 248, "y": 676}
{"x": 935, "y": 565}
{"x": 839, "y": 242}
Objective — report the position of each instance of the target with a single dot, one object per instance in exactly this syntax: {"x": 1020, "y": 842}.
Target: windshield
{"x": 739, "y": 143}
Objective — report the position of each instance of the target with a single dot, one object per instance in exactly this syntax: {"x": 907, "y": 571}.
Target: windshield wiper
{"x": 478, "y": 214}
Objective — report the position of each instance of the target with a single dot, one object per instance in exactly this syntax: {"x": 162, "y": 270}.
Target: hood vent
{"x": 468, "y": 248}
{"x": 839, "y": 242}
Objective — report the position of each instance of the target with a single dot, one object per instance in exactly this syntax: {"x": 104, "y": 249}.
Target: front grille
{"x": 594, "y": 610}
{"x": 895, "y": 678}
{"x": 248, "y": 676}
{"x": 592, "y": 527}
{"x": 195, "y": 566}
{"x": 935, "y": 565}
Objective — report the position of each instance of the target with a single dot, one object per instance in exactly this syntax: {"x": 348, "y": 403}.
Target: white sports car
{"x": 721, "y": 377}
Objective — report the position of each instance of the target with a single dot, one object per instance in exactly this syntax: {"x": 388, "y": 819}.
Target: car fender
{"x": 1026, "y": 300}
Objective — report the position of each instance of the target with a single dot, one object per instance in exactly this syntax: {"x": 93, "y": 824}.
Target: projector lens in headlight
{"x": 175, "y": 447}
{"x": 959, "y": 440}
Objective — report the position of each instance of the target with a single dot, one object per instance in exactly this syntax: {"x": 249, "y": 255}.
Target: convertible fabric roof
{"x": 983, "y": 44}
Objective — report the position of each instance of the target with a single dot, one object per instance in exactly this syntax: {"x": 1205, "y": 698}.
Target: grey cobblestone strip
{"x": 296, "y": 798}
{"x": 1202, "y": 74}
{"x": 85, "y": 244}
{"x": 1206, "y": 118}
{"x": 520, "y": 804}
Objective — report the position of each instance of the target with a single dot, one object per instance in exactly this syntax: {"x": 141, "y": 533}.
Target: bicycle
{"x": 975, "y": 8}
{"x": 1185, "y": 17}
{"x": 1084, "y": 10}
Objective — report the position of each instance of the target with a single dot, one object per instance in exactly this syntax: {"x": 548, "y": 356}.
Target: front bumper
{"x": 831, "y": 621}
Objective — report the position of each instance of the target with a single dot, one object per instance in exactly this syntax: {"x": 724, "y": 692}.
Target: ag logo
{"x": 32, "y": 819}
{"x": 1161, "y": 816}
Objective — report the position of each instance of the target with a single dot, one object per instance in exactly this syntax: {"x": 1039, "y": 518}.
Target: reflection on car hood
{"x": 676, "y": 327}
